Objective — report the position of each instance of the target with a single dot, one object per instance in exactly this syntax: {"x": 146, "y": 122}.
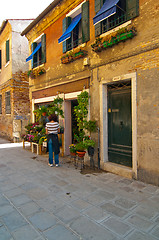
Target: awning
{"x": 67, "y": 33}
{"x": 108, "y": 9}
{"x": 35, "y": 50}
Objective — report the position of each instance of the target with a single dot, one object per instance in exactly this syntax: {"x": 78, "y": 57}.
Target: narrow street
{"x": 38, "y": 202}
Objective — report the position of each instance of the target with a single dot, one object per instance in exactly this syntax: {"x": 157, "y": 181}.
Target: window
{"x": 75, "y": 27}
{"x": 7, "y": 102}
{"x": 38, "y": 49}
{"x": 7, "y": 51}
{"x": 113, "y": 13}
{"x": 0, "y": 104}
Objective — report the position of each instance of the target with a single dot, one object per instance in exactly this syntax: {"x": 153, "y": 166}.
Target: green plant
{"x": 72, "y": 148}
{"x": 39, "y": 112}
{"x": 56, "y": 107}
{"x": 91, "y": 126}
{"x": 42, "y": 139}
{"x": 81, "y": 146}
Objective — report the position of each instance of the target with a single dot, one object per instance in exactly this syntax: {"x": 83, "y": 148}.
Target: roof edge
{"x": 41, "y": 16}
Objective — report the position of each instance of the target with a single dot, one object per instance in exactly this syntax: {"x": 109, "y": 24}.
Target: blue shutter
{"x": 85, "y": 22}
{"x": 7, "y": 51}
{"x": 43, "y": 48}
{"x": 34, "y": 59}
{"x": 98, "y": 26}
{"x": 132, "y": 8}
{"x": 66, "y": 22}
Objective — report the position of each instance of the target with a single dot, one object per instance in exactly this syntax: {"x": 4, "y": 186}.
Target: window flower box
{"x": 72, "y": 56}
{"x": 112, "y": 39}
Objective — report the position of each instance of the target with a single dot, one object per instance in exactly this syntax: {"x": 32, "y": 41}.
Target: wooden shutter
{"x": 7, "y": 51}
{"x": 132, "y": 8}
{"x": 0, "y": 60}
{"x": 85, "y": 22}
{"x": 98, "y": 26}
{"x": 34, "y": 59}
{"x": 66, "y": 22}
{"x": 0, "y": 104}
{"x": 43, "y": 48}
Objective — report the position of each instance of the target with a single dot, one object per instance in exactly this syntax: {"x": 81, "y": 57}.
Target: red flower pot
{"x": 81, "y": 154}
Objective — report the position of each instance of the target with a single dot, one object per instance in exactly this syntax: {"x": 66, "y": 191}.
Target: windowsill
{"x": 42, "y": 65}
{"x": 7, "y": 63}
{"x": 116, "y": 28}
{"x": 8, "y": 113}
{"x": 76, "y": 48}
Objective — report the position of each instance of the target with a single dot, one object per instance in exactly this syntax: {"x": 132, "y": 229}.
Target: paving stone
{"x": 25, "y": 233}
{"x": 37, "y": 193}
{"x": 81, "y": 204}
{"x": 20, "y": 199}
{"x": 4, "y": 234}
{"x": 50, "y": 205}
{"x": 117, "y": 226}
{"x": 43, "y": 220}
{"x": 29, "y": 208}
{"x": 99, "y": 197}
{"x": 139, "y": 236}
{"x": 5, "y": 209}
{"x": 4, "y": 201}
{"x": 145, "y": 212}
{"x": 110, "y": 208}
{"x": 155, "y": 232}
{"x": 96, "y": 213}
{"x": 67, "y": 214}
{"x": 91, "y": 231}
{"x": 125, "y": 203}
{"x": 13, "y": 221}
{"x": 140, "y": 223}
{"x": 14, "y": 192}
{"x": 59, "y": 232}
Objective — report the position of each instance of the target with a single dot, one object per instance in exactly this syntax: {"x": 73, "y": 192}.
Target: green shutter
{"x": 132, "y": 8}
{"x": 43, "y": 48}
{"x": 7, "y": 51}
{"x": 34, "y": 59}
{"x": 66, "y": 22}
{"x": 85, "y": 22}
{"x": 98, "y": 26}
{"x": 0, "y": 60}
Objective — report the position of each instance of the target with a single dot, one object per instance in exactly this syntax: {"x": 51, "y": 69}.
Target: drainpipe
{"x": 98, "y": 147}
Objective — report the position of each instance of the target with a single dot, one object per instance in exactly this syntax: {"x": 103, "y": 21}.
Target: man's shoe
{"x": 57, "y": 165}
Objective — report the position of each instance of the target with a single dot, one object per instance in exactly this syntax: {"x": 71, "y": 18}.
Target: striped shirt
{"x": 52, "y": 127}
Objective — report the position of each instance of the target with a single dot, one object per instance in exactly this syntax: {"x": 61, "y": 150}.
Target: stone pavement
{"x": 38, "y": 202}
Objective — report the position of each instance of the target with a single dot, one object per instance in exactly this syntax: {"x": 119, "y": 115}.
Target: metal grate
{"x": 119, "y": 85}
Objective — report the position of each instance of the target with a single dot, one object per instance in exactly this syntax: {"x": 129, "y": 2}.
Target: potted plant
{"x": 73, "y": 149}
{"x": 80, "y": 148}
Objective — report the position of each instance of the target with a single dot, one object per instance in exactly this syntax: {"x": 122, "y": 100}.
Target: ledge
{"x": 118, "y": 169}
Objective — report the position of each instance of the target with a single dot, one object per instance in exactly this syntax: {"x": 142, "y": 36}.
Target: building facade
{"x": 14, "y": 85}
{"x": 107, "y": 49}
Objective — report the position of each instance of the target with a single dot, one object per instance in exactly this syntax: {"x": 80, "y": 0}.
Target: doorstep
{"x": 118, "y": 169}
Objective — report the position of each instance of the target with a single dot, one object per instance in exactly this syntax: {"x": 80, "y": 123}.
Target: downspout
{"x": 98, "y": 147}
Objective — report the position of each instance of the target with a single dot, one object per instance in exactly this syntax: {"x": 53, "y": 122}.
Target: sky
{"x": 19, "y": 9}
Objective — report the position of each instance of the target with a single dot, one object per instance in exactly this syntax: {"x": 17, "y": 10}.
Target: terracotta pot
{"x": 81, "y": 154}
{"x": 72, "y": 154}
{"x": 44, "y": 113}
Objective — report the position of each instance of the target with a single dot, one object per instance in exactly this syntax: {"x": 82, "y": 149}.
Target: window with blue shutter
{"x": 76, "y": 29}
{"x": 38, "y": 55}
{"x": 113, "y": 13}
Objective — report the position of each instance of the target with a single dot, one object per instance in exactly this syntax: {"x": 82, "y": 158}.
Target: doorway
{"x": 120, "y": 123}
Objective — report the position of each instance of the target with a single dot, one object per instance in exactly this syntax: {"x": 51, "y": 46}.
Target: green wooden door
{"x": 119, "y": 126}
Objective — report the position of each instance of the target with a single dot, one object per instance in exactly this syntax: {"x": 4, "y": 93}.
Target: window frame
{"x": 7, "y": 51}
{"x": 8, "y": 102}
{"x": 130, "y": 7}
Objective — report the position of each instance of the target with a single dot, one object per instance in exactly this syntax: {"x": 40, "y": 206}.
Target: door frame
{"x": 104, "y": 124}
